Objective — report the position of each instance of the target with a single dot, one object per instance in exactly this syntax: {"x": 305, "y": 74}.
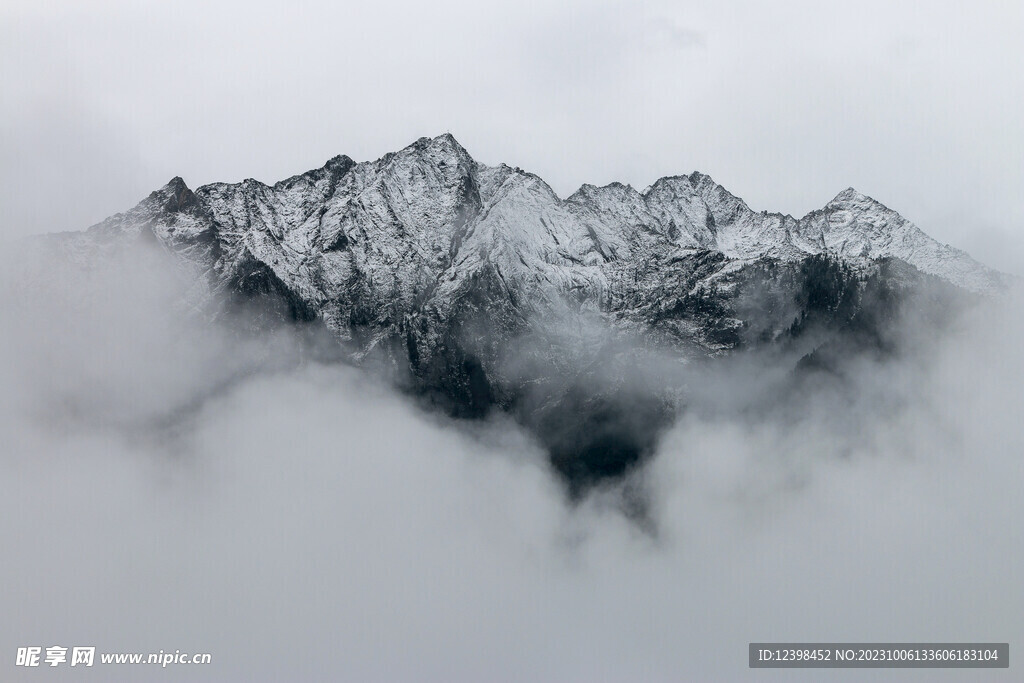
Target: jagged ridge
{"x": 444, "y": 266}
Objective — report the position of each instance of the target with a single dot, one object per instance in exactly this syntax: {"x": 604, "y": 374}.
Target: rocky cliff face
{"x": 484, "y": 290}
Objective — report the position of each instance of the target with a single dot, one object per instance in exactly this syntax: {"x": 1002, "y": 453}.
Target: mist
{"x": 176, "y": 482}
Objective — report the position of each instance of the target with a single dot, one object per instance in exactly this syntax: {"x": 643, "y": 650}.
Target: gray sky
{"x": 389, "y": 545}
{"x": 785, "y": 103}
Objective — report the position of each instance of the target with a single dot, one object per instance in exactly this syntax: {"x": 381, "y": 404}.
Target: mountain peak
{"x": 444, "y": 145}
{"x": 851, "y": 199}
{"x": 695, "y": 183}
{"x": 614, "y": 188}
{"x": 850, "y": 194}
{"x": 698, "y": 178}
{"x": 446, "y": 138}
{"x": 174, "y": 185}
{"x": 339, "y": 161}
{"x": 175, "y": 196}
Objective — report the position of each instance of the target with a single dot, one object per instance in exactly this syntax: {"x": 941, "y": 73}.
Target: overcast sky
{"x": 146, "y": 503}
{"x": 785, "y": 103}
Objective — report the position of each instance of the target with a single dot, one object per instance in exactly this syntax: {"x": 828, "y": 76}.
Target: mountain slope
{"x": 483, "y": 289}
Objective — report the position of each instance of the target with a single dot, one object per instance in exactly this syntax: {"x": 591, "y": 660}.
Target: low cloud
{"x": 173, "y": 483}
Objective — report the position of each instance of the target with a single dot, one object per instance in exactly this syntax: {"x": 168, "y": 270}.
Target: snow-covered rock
{"x": 483, "y": 285}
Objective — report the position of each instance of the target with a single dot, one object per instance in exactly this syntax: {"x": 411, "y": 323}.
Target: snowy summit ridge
{"x": 363, "y": 245}
{"x": 444, "y": 266}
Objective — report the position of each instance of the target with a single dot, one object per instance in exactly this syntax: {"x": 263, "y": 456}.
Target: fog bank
{"x": 172, "y": 483}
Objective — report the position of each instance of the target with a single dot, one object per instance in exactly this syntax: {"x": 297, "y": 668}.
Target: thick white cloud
{"x": 304, "y": 522}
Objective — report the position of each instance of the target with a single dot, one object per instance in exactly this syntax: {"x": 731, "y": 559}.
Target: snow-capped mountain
{"x": 481, "y": 284}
